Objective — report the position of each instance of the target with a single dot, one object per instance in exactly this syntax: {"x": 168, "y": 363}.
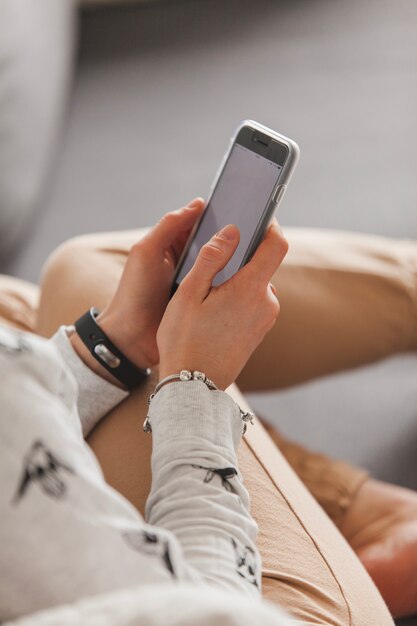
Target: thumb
{"x": 212, "y": 258}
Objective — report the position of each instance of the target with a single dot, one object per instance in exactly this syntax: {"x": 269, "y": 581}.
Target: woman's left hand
{"x": 132, "y": 318}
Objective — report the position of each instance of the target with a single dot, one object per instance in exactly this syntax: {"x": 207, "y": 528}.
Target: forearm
{"x": 96, "y": 394}
{"x": 65, "y": 534}
{"x": 197, "y": 492}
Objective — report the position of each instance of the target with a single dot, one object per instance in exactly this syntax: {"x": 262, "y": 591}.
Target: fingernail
{"x": 195, "y": 202}
{"x": 229, "y": 233}
{"x": 281, "y": 232}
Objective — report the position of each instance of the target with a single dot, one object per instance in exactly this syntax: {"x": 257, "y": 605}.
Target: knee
{"x": 66, "y": 281}
{"x": 86, "y": 261}
{"x": 64, "y": 264}
{"x": 82, "y": 272}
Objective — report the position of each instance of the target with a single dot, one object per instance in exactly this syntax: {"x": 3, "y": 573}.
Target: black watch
{"x": 106, "y": 353}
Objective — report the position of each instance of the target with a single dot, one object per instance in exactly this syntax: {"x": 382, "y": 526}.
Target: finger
{"x": 269, "y": 255}
{"x": 172, "y": 224}
{"x": 178, "y": 245}
{"x": 211, "y": 259}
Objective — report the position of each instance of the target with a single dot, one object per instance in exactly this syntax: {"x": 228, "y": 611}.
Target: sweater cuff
{"x": 190, "y": 409}
{"x": 96, "y": 396}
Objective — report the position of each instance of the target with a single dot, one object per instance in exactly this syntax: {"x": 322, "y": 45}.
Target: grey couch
{"x": 36, "y": 53}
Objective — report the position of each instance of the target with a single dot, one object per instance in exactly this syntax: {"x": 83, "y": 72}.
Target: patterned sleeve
{"x": 95, "y": 396}
{"x": 197, "y": 491}
{"x": 65, "y": 534}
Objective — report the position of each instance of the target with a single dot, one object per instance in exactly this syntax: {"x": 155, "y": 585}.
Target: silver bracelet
{"x": 184, "y": 376}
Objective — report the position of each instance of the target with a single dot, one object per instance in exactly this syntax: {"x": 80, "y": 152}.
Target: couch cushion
{"x": 36, "y": 51}
{"x": 112, "y": 2}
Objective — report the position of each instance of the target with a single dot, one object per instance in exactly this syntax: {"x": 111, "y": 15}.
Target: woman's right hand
{"x": 215, "y": 329}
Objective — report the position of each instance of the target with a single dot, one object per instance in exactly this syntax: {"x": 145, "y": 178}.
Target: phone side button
{"x": 279, "y": 192}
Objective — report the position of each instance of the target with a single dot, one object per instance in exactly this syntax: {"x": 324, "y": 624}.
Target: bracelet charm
{"x": 185, "y": 376}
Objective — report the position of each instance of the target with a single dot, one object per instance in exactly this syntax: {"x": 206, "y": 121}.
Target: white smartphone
{"x": 246, "y": 191}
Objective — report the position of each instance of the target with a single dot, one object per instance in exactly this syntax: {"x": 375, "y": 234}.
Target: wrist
{"x": 106, "y": 353}
{"x": 88, "y": 360}
{"x": 126, "y": 342}
{"x": 167, "y": 369}
{"x": 184, "y": 377}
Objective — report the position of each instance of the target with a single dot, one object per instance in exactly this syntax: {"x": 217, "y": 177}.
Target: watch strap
{"x": 106, "y": 353}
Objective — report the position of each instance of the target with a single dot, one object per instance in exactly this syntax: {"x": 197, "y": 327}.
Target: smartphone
{"x": 246, "y": 191}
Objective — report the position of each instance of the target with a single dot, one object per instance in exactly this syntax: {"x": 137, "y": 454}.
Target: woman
{"x": 308, "y": 568}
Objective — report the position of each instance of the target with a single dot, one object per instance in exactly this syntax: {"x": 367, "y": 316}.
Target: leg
{"x": 330, "y": 282}
{"x": 333, "y": 483}
{"x": 346, "y": 300}
{"x": 378, "y": 520}
{"x": 97, "y": 261}
{"x": 309, "y": 569}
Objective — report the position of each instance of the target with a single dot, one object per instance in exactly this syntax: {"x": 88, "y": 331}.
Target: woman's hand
{"x": 216, "y": 329}
{"x": 135, "y": 312}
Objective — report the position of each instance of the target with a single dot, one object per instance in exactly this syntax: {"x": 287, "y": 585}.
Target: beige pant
{"x": 346, "y": 300}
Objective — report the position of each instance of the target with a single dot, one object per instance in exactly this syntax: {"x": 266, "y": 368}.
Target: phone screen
{"x": 240, "y": 197}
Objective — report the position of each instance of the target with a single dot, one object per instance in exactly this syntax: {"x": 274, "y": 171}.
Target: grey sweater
{"x": 65, "y": 534}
